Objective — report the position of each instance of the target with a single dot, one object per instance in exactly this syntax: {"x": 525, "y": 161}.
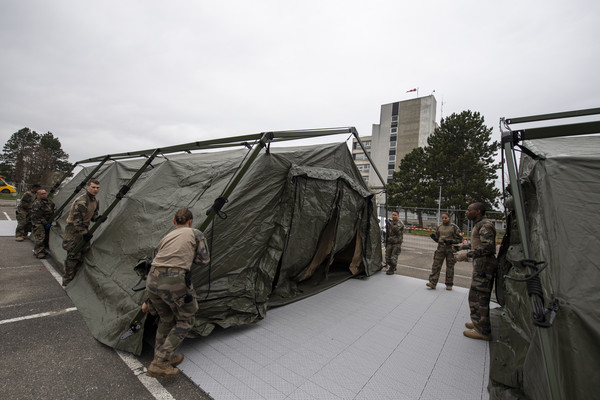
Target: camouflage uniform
{"x": 170, "y": 295}
{"x": 394, "y": 244}
{"x": 41, "y": 217}
{"x": 23, "y": 217}
{"x": 483, "y": 249}
{"x": 447, "y": 234}
{"x": 83, "y": 210}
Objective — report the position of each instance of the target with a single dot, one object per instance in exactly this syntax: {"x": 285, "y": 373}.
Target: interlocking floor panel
{"x": 383, "y": 337}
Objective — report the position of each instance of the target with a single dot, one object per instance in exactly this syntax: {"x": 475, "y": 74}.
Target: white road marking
{"x": 46, "y": 314}
{"x": 6, "y": 215}
{"x": 152, "y": 384}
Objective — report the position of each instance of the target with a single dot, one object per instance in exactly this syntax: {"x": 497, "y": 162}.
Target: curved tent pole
{"x": 222, "y": 199}
{"x": 79, "y": 187}
{"x": 122, "y": 192}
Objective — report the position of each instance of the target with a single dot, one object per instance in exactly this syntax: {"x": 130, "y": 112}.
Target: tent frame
{"x": 510, "y": 140}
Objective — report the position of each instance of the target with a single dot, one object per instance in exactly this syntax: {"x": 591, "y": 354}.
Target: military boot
{"x": 176, "y": 359}
{"x": 159, "y": 367}
{"x": 430, "y": 285}
{"x": 469, "y": 325}
{"x": 19, "y": 238}
{"x": 475, "y": 334}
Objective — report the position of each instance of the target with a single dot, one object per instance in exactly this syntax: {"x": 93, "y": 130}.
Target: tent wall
{"x": 259, "y": 236}
{"x": 561, "y": 193}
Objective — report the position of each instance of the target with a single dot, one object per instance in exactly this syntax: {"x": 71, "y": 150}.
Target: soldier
{"x": 83, "y": 210}
{"x": 483, "y": 252}
{"x": 23, "y": 217}
{"x": 395, "y": 232}
{"x": 446, "y": 235}
{"x": 170, "y": 292}
{"x": 42, "y": 210}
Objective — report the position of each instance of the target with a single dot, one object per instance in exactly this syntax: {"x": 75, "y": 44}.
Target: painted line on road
{"x": 424, "y": 269}
{"x": 46, "y": 314}
{"x": 53, "y": 272}
{"x": 6, "y": 215}
{"x": 152, "y": 384}
{"x": 21, "y": 266}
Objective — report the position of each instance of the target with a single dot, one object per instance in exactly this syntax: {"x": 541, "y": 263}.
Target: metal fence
{"x": 421, "y": 222}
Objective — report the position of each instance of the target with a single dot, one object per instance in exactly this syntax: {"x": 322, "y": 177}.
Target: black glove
{"x": 447, "y": 242}
{"x": 47, "y": 227}
{"x": 456, "y": 247}
{"x": 470, "y": 254}
{"x": 433, "y": 237}
{"x": 87, "y": 237}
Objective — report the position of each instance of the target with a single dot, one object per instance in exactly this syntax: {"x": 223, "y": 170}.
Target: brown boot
{"x": 474, "y": 334}
{"x": 176, "y": 359}
{"x": 430, "y": 285}
{"x": 469, "y": 325}
{"x": 159, "y": 367}
{"x": 448, "y": 287}
{"x": 390, "y": 272}
{"x": 19, "y": 238}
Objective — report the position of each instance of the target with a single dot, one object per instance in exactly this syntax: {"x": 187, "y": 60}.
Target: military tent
{"x": 546, "y": 334}
{"x": 299, "y": 220}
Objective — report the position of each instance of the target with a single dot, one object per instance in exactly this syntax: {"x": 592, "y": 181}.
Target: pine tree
{"x": 28, "y": 157}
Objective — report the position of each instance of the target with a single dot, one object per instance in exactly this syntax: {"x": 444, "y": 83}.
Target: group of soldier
{"x": 481, "y": 251}
{"x": 35, "y": 213}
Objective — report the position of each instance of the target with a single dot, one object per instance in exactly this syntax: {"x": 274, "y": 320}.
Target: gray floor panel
{"x": 385, "y": 337}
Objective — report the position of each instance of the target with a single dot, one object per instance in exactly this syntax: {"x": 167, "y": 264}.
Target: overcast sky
{"x": 112, "y": 76}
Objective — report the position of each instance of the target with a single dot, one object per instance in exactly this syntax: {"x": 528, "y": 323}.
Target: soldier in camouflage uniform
{"x": 395, "y": 234}
{"x": 170, "y": 292}
{"x": 483, "y": 252}
{"x": 23, "y": 217}
{"x": 42, "y": 210}
{"x": 83, "y": 211}
{"x": 446, "y": 235}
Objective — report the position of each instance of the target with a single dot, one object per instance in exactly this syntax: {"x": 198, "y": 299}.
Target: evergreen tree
{"x": 460, "y": 157}
{"x": 28, "y": 157}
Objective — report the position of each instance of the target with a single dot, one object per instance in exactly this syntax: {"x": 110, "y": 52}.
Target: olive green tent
{"x": 546, "y": 335}
{"x": 298, "y": 220}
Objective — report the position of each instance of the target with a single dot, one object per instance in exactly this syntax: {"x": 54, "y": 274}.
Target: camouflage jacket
{"x": 450, "y": 232}
{"x": 395, "y": 232}
{"x": 42, "y": 211}
{"x": 26, "y": 202}
{"x": 483, "y": 239}
{"x": 83, "y": 210}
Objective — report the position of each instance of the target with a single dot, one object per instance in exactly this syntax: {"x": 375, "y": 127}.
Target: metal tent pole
{"x": 544, "y": 338}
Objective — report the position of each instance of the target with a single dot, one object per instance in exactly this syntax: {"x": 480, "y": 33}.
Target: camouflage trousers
{"x": 392, "y": 251}
{"x": 74, "y": 260}
{"x": 443, "y": 253}
{"x": 39, "y": 235}
{"x": 23, "y": 225}
{"x": 175, "y": 304}
{"x": 484, "y": 269}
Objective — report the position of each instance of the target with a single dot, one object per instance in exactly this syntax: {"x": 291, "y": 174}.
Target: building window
{"x": 393, "y": 144}
{"x": 392, "y": 159}
{"x": 392, "y": 152}
{"x": 394, "y": 118}
{"x": 391, "y": 167}
{"x": 393, "y": 137}
{"x": 394, "y": 130}
{"x": 367, "y": 144}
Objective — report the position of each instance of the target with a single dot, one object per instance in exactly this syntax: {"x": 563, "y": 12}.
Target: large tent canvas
{"x": 560, "y": 182}
{"x": 301, "y": 219}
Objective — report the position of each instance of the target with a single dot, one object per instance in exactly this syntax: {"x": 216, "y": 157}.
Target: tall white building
{"x": 403, "y": 126}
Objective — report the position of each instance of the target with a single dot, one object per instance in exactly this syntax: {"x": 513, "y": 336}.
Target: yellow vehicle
{"x": 6, "y": 188}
